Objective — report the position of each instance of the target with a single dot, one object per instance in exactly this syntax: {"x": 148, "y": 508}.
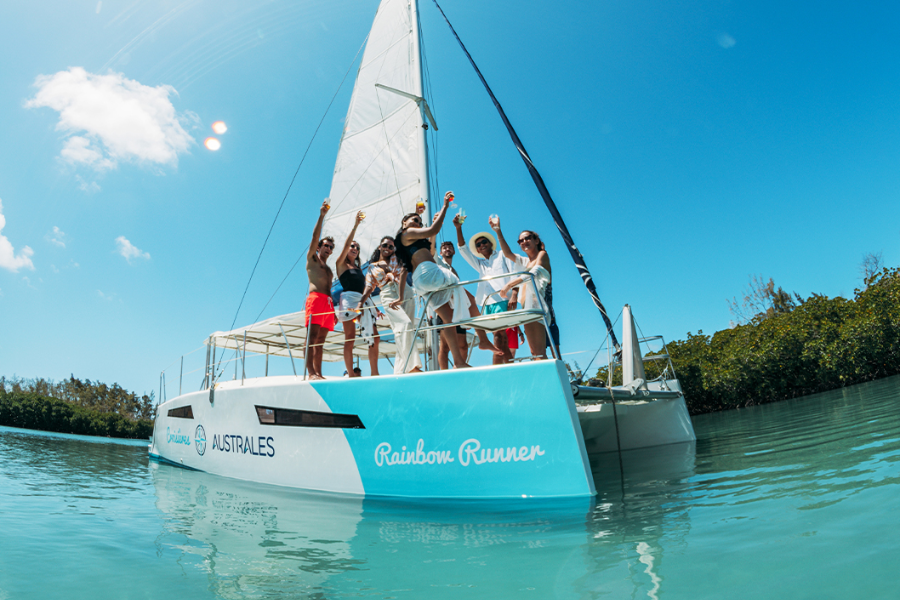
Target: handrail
{"x": 210, "y": 346}
{"x": 553, "y": 348}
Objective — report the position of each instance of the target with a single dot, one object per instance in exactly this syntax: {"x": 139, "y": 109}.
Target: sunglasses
{"x": 527, "y": 238}
{"x": 387, "y": 246}
{"x": 329, "y": 246}
{"x": 482, "y": 242}
{"x": 354, "y": 246}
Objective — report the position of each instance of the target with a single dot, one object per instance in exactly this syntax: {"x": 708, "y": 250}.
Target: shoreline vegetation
{"x": 76, "y": 406}
{"x": 793, "y": 347}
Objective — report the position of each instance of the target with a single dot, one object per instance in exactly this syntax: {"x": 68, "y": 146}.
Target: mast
{"x": 433, "y": 341}
{"x": 419, "y": 90}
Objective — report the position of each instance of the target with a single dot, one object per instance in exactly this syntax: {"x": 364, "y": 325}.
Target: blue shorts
{"x": 496, "y": 307}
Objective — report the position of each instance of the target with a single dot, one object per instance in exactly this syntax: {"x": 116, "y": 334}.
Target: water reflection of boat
{"x": 254, "y": 539}
{"x": 633, "y": 516}
{"x": 260, "y": 540}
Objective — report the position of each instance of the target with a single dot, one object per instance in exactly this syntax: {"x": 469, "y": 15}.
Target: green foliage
{"x": 31, "y": 411}
{"x": 75, "y": 406}
{"x": 801, "y": 348}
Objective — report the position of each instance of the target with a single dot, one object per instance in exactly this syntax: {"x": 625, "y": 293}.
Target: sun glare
{"x": 212, "y": 143}
{"x": 219, "y": 127}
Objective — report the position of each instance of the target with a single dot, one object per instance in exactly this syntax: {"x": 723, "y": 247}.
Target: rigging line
{"x": 577, "y": 258}
{"x": 282, "y": 283}
{"x": 322, "y": 120}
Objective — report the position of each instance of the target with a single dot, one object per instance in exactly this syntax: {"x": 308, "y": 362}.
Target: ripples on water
{"x": 791, "y": 500}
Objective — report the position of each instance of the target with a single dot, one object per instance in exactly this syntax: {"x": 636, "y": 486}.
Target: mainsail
{"x": 381, "y": 163}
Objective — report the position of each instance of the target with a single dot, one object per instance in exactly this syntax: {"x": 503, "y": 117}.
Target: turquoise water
{"x": 799, "y": 499}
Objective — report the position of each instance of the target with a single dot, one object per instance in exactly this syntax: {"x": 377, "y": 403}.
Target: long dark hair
{"x": 403, "y": 253}
{"x": 358, "y": 252}
{"x": 537, "y": 239}
{"x": 376, "y": 256}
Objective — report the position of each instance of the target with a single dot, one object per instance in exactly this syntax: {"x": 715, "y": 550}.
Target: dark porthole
{"x": 182, "y": 412}
{"x": 287, "y": 417}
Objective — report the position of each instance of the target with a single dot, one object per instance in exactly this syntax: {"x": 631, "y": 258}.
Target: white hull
{"x": 642, "y": 424}
{"x": 491, "y": 432}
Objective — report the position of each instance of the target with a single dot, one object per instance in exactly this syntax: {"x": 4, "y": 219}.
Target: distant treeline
{"x": 795, "y": 348}
{"x": 75, "y": 406}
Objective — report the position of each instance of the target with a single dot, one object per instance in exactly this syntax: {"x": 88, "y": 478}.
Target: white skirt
{"x": 431, "y": 277}
{"x": 348, "y": 312}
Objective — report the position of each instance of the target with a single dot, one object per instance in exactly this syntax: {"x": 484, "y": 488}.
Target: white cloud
{"x": 112, "y": 119}
{"x": 86, "y": 187}
{"x": 79, "y": 149}
{"x": 99, "y": 6}
{"x": 57, "y": 237}
{"x": 128, "y": 250}
{"x": 725, "y": 40}
{"x": 9, "y": 260}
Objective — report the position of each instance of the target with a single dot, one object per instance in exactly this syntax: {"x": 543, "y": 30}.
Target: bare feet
{"x": 416, "y": 370}
{"x": 486, "y": 345}
{"x": 315, "y": 377}
{"x": 463, "y": 366}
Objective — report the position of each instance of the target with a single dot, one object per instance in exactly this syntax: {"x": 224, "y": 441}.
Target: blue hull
{"x": 491, "y": 432}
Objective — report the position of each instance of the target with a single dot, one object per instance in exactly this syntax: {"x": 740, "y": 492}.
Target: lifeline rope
{"x": 322, "y": 120}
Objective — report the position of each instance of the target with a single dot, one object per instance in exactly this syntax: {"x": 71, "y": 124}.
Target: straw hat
{"x": 483, "y": 234}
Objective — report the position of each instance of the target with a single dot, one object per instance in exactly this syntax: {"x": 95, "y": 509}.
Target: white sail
{"x": 381, "y": 164}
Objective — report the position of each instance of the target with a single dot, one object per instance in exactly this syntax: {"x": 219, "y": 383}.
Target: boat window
{"x": 182, "y": 412}
{"x": 306, "y": 418}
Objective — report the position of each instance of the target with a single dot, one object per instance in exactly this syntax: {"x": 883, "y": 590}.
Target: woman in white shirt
{"x": 536, "y": 262}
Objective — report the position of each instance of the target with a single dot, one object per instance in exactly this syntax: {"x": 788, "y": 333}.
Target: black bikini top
{"x": 353, "y": 280}
{"x": 405, "y": 253}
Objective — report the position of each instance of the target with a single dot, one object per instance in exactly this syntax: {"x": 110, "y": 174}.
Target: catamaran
{"x": 501, "y": 431}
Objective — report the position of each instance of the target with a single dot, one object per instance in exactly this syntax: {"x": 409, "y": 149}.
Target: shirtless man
{"x": 320, "y": 318}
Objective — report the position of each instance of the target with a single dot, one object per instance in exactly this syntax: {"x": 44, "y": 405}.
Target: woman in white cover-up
{"x": 390, "y": 277}
{"x": 536, "y": 262}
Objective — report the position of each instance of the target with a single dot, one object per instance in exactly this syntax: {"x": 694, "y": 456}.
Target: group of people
{"x": 412, "y": 250}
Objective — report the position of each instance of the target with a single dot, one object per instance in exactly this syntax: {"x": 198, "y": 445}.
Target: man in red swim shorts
{"x": 320, "y": 318}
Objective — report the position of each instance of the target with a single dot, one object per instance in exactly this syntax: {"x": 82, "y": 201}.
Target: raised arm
{"x": 465, "y": 251}
{"x": 427, "y": 232}
{"x": 343, "y": 255}
{"x": 460, "y": 239}
{"x": 504, "y": 247}
{"x": 434, "y": 248}
{"x": 317, "y": 231}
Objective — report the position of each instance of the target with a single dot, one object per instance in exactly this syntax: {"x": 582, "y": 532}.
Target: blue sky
{"x": 688, "y": 146}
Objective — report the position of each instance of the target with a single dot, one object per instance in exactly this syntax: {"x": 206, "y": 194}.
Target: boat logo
{"x": 200, "y": 439}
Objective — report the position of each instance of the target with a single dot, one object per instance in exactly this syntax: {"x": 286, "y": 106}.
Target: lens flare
{"x": 219, "y": 127}
{"x": 212, "y": 143}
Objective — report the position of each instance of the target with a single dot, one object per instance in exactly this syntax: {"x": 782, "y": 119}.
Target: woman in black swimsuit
{"x": 353, "y": 281}
{"x": 414, "y": 250}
